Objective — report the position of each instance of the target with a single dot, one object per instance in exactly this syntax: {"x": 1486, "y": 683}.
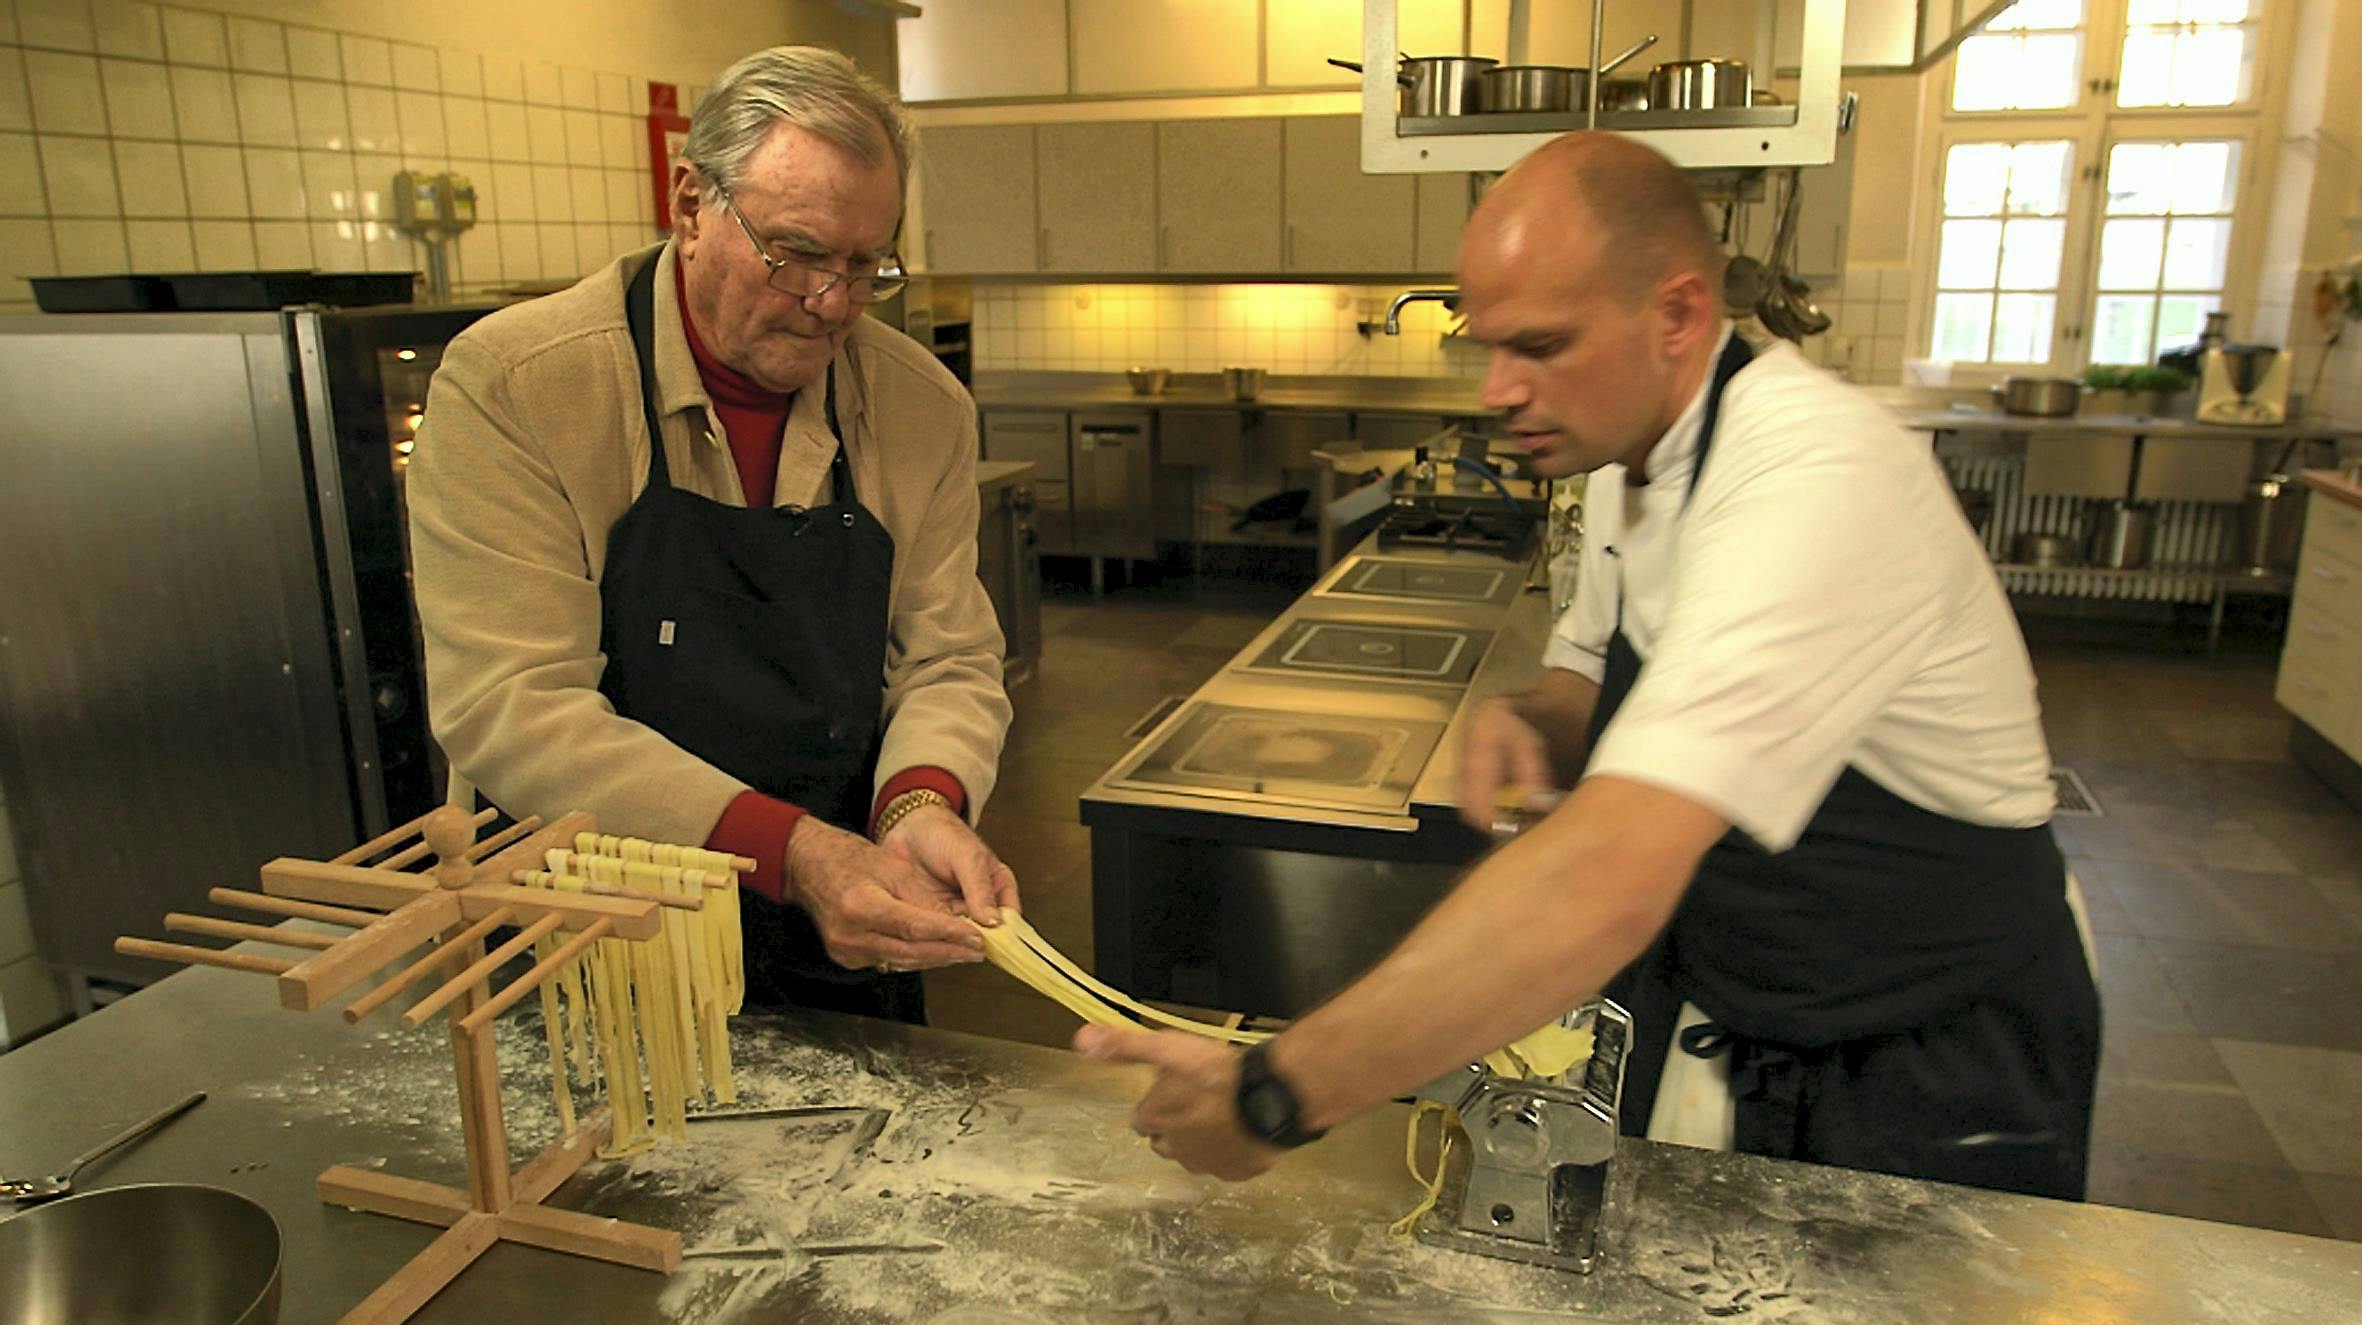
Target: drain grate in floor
{"x": 1163, "y": 710}
{"x": 2074, "y": 798}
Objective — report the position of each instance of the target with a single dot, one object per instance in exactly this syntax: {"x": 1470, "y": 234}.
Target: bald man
{"x": 1811, "y": 827}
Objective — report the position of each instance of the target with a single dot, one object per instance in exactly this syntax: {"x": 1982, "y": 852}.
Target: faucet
{"x": 1450, "y": 299}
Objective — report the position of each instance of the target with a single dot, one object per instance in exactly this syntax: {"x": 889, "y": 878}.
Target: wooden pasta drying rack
{"x": 456, "y": 903}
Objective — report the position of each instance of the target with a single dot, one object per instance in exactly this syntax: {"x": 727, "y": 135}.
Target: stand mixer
{"x": 2243, "y": 384}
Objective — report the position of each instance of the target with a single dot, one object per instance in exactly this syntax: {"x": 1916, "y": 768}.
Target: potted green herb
{"x": 2159, "y": 391}
{"x": 2105, "y": 381}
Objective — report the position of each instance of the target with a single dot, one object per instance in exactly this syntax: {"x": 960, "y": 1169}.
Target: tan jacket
{"x": 534, "y": 445}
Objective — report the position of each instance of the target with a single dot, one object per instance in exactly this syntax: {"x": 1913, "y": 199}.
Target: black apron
{"x": 754, "y": 637}
{"x": 1901, "y": 991}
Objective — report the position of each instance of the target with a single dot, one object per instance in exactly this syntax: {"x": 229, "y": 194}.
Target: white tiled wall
{"x": 1294, "y": 329}
{"x": 2332, "y": 388}
{"x": 1311, "y": 329}
{"x": 138, "y": 137}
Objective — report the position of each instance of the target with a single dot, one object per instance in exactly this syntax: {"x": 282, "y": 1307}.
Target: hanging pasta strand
{"x": 553, "y": 1022}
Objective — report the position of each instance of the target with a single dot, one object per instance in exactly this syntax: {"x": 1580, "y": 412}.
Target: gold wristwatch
{"x": 903, "y": 806}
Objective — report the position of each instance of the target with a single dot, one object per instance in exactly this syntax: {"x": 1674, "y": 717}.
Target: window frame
{"x": 2097, "y": 124}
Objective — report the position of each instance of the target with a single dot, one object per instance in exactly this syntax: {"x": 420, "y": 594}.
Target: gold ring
{"x": 885, "y": 968}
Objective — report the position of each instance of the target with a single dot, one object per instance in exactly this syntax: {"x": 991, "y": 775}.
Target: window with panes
{"x": 2089, "y": 175}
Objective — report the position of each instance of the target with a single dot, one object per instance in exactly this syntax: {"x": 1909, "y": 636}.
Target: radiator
{"x": 2189, "y": 541}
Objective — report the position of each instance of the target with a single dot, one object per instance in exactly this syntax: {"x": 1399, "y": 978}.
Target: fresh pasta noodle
{"x": 1016, "y": 948}
{"x": 646, "y": 1021}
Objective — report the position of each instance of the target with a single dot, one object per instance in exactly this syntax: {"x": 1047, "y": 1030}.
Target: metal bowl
{"x": 2048, "y": 551}
{"x": 1148, "y": 381}
{"x": 147, "y": 1254}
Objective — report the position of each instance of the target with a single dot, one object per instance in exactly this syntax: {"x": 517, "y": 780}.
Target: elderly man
{"x": 695, "y": 550}
{"x": 1815, "y": 800}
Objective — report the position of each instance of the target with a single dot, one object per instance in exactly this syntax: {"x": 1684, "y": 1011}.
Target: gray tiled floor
{"x": 2225, "y": 889}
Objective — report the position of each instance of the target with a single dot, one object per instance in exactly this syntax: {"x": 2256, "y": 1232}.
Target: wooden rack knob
{"x": 449, "y": 832}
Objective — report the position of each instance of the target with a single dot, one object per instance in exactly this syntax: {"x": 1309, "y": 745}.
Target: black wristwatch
{"x": 1267, "y": 1109}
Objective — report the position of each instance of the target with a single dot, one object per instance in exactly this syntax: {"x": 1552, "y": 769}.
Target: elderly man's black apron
{"x": 755, "y": 639}
{"x": 1901, "y": 991}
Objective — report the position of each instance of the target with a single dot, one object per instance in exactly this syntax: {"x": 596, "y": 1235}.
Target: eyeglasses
{"x": 809, "y": 282}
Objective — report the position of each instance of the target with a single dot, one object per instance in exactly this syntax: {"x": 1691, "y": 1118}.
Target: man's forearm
{"x": 1560, "y": 709}
{"x": 1540, "y": 925}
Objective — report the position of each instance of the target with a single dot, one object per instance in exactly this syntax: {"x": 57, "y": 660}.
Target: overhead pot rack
{"x": 1724, "y": 138}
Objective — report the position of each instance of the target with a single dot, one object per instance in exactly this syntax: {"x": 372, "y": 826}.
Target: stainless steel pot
{"x": 2118, "y": 537}
{"x": 2039, "y": 397}
{"x": 1624, "y": 94}
{"x": 1547, "y": 88}
{"x": 2047, "y": 550}
{"x": 1437, "y": 84}
{"x": 157, "y": 1253}
{"x": 1700, "y": 85}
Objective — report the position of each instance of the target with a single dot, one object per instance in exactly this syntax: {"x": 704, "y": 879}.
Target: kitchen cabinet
{"x": 1038, "y": 436}
{"x": 2321, "y": 666}
{"x": 1218, "y": 195}
{"x": 1132, "y": 47}
{"x": 983, "y": 48}
{"x": 1395, "y": 432}
{"x": 1337, "y": 218}
{"x": 1287, "y": 440}
{"x": 977, "y": 189}
{"x": 1442, "y": 203}
{"x": 1111, "y": 490}
{"x": 1097, "y": 197}
{"x": 1198, "y": 438}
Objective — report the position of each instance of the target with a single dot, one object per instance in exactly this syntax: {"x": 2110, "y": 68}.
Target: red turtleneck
{"x": 755, "y": 418}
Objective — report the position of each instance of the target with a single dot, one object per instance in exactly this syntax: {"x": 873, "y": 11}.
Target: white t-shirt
{"x": 1821, "y": 602}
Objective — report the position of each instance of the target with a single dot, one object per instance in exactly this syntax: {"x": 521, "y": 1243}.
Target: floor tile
{"x": 2340, "y": 1202}
{"x": 2134, "y": 991}
{"x": 2269, "y": 994}
{"x": 2192, "y": 1121}
{"x": 2259, "y": 1196}
{"x": 2130, "y": 1053}
{"x": 2310, "y": 1100}
{"x": 2226, "y": 906}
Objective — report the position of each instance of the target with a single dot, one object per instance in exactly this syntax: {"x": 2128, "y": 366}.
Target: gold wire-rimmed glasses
{"x": 806, "y": 281}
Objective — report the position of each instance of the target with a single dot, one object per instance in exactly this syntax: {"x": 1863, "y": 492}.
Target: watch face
{"x": 1266, "y": 1109}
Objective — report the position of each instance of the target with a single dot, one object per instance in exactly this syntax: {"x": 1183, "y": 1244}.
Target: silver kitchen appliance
{"x": 1534, "y": 1188}
{"x": 1314, "y": 760}
{"x": 1404, "y": 579}
{"x": 202, "y": 522}
{"x": 2244, "y": 384}
{"x": 1374, "y": 651}
{"x": 1009, "y": 562}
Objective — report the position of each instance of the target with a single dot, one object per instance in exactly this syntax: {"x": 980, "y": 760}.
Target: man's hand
{"x": 1190, "y": 1114}
{"x": 941, "y": 843}
{"x": 1501, "y": 751}
{"x": 872, "y": 906}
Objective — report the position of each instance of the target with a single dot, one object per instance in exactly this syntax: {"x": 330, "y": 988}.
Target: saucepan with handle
{"x": 1549, "y": 88}
{"x": 1437, "y": 84}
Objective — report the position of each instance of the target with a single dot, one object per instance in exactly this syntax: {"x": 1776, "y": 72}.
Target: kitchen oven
{"x": 208, "y": 655}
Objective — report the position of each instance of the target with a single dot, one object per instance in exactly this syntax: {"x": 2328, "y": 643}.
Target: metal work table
{"x": 1005, "y": 1188}
{"x": 1372, "y": 395}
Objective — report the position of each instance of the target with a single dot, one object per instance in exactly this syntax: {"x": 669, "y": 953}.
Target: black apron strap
{"x": 639, "y": 315}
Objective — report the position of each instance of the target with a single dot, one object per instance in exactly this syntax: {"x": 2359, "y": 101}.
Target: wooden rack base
{"x": 472, "y": 1231}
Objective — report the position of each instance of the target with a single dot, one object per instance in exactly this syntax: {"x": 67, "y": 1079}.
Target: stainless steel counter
{"x": 1385, "y": 395}
{"x": 1004, "y": 1189}
{"x": 991, "y": 474}
{"x": 1958, "y": 418}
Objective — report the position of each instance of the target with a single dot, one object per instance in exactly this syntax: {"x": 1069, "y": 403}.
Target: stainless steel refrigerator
{"x": 208, "y": 655}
